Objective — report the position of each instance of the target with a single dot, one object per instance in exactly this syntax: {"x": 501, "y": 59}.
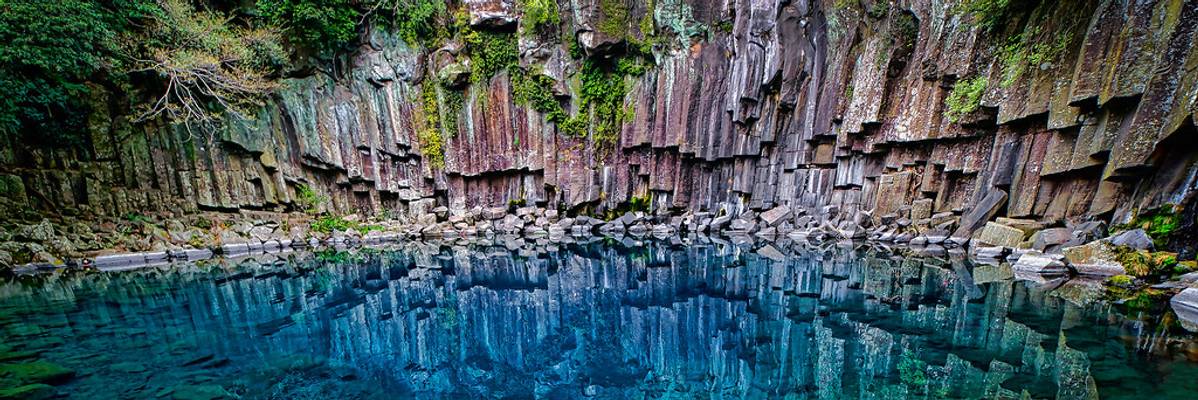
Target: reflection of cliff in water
{"x": 615, "y": 322}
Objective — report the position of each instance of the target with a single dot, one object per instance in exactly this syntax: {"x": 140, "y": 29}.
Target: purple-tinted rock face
{"x": 1085, "y": 109}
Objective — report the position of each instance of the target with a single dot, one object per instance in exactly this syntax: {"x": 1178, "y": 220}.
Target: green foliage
{"x": 603, "y": 94}
{"x": 541, "y": 16}
{"x": 137, "y": 218}
{"x": 614, "y": 22}
{"x": 1144, "y": 263}
{"x": 49, "y": 50}
{"x": 328, "y": 224}
{"x": 536, "y": 91}
{"x": 513, "y": 203}
{"x": 490, "y": 52}
{"x": 431, "y": 142}
{"x": 308, "y": 199}
{"x": 208, "y": 66}
{"x": 1020, "y": 53}
{"x": 1160, "y": 223}
{"x": 879, "y": 9}
{"x": 416, "y": 20}
{"x": 320, "y": 25}
{"x": 985, "y": 14}
{"x": 1121, "y": 280}
{"x": 640, "y": 203}
{"x": 965, "y": 97}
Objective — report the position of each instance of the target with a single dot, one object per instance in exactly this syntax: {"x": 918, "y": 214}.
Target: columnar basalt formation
{"x": 1074, "y": 109}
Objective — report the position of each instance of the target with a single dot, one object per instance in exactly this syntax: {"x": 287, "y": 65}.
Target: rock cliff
{"x": 1074, "y": 109}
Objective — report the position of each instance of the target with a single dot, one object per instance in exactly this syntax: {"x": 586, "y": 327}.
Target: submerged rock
{"x": 36, "y": 391}
{"x": 36, "y": 372}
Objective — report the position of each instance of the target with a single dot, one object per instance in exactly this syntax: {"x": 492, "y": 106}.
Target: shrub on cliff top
{"x": 50, "y": 49}
{"x": 208, "y": 66}
{"x": 320, "y": 25}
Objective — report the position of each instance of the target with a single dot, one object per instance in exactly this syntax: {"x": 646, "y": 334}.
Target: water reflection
{"x": 599, "y": 320}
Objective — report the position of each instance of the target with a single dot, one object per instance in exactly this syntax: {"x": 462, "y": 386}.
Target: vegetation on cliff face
{"x": 173, "y": 59}
{"x": 965, "y": 97}
{"x": 50, "y": 51}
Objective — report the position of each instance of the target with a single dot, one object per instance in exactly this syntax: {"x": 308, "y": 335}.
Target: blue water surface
{"x": 608, "y": 320}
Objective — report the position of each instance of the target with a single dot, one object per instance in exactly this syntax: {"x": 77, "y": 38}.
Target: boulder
{"x": 1038, "y": 263}
{"x": 1096, "y": 258}
{"x": 742, "y": 225}
{"x": 1185, "y": 304}
{"x": 996, "y": 234}
{"x": 776, "y": 215}
{"x": 494, "y": 213}
{"x": 1049, "y": 238}
{"x": 981, "y": 213}
{"x": 1135, "y": 238}
{"x": 921, "y": 209}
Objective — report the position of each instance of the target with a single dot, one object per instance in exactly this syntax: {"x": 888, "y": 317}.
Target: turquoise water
{"x": 603, "y": 320}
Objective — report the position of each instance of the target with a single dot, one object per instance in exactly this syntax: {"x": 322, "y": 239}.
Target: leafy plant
{"x": 50, "y": 50}
{"x": 209, "y": 67}
{"x": 490, "y": 52}
{"x": 985, "y": 14}
{"x": 965, "y": 97}
{"x": 308, "y": 199}
{"x": 320, "y": 25}
{"x": 429, "y": 136}
{"x": 540, "y": 15}
{"x": 328, "y": 224}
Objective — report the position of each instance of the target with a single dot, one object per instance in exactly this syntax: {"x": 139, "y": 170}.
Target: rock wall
{"x": 1086, "y": 110}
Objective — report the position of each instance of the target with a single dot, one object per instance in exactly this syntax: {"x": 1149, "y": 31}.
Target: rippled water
{"x": 603, "y": 320}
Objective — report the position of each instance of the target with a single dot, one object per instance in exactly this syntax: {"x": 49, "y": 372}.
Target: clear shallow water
{"x": 601, "y": 320}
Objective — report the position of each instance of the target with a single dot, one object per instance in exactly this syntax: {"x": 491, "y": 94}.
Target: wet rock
{"x": 491, "y": 13}
{"x": 742, "y": 225}
{"x": 921, "y": 209}
{"x": 1089, "y": 231}
{"x": 41, "y": 232}
{"x": 1028, "y": 226}
{"x": 1136, "y": 239}
{"x": 1039, "y": 264}
{"x": 981, "y": 213}
{"x": 771, "y": 252}
{"x": 776, "y": 215}
{"x": 1096, "y": 258}
{"x": 1185, "y": 304}
{"x": 1048, "y": 239}
{"x": 494, "y": 213}
{"x": 996, "y": 234}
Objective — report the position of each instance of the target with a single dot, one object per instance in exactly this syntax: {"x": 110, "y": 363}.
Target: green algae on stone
{"x": 35, "y": 372}
{"x": 36, "y": 391}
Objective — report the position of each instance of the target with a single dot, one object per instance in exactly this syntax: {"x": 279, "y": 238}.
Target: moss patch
{"x": 1160, "y": 223}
